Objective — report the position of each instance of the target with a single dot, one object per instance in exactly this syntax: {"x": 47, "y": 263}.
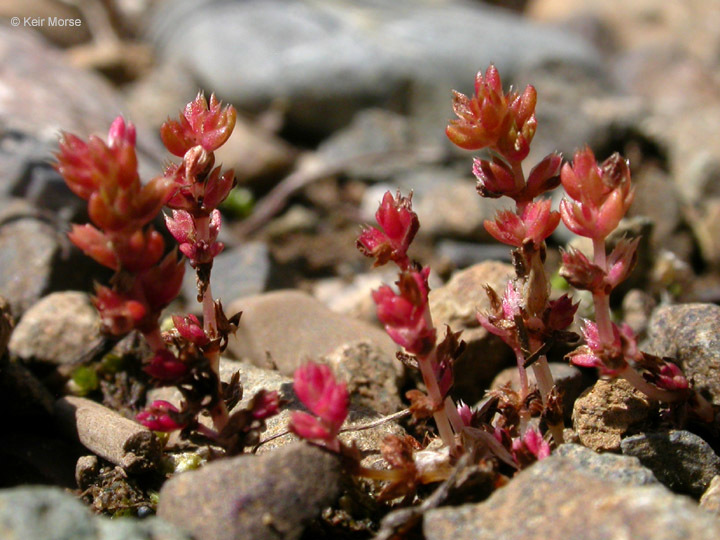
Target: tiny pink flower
{"x": 545, "y": 176}
{"x": 166, "y": 367}
{"x": 265, "y": 404}
{"x": 494, "y": 178}
{"x": 200, "y": 124}
{"x": 621, "y": 261}
{"x": 671, "y": 378}
{"x": 399, "y": 225}
{"x": 317, "y": 389}
{"x": 532, "y": 442}
{"x": 190, "y": 329}
{"x": 404, "y": 314}
{"x": 465, "y": 413}
{"x": 581, "y": 273}
{"x": 119, "y": 313}
{"x": 600, "y": 195}
{"x": 159, "y": 417}
{"x": 535, "y": 224}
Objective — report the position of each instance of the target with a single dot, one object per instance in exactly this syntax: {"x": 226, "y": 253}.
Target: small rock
{"x": 236, "y": 273}
{"x": 260, "y": 497}
{"x": 690, "y": 333}
{"x": 681, "y": 460}
{"x": 465, "y": 254}
{"x": 609, "y": 410}
{"x": 637, "y": 306}
{"x": 62, "y": 328}
{"x": 354, "y": 298}
{"x": 560, "y": 497}
{"x": 456, "y": 304}
{"x": 710, "y": 500}
{"x": 49, "y": 513}
{"x": 30, "y": 250}
{"x": 567, "y": 378}
{"x": 283, "y": 329}
{"x": 373, "y": 378}
{"x": 380, "y": 137}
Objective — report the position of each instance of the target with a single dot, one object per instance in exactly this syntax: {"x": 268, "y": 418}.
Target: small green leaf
{"x": 239, "y": 203}
{"x": 86, "y": 379}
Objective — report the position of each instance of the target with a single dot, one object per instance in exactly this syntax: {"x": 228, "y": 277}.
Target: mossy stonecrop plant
{"x": 598, "y": 197}
{"x": 121, "y": 236}
{"x": 525, "y": 318}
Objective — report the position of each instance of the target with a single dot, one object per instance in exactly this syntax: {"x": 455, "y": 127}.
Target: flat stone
{"x": 681, "y": 460}
{"x": 283, "y": 329}
{"x": 261, "y": 497}
{"x": 559, "y": 498}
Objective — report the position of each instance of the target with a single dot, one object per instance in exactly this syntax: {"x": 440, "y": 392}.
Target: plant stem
{"x": 543, "y": 375}
{"x": 601, "y": 300}
{"x": 522, "y": 373}
{"x": 425, "y": 364}
{"x": 219, "y": 412}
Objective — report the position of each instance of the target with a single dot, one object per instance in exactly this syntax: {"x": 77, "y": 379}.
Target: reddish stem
{"x": 601, "y": 300}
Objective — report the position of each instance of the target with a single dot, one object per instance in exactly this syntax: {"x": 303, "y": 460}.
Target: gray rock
{"x": 689, "y": 333}
{"x": 30, "y": 251}
{"x": 558, "y": 498}
{"x": 456, "y": 304}
{"x": 48, "y": 513}
{"x": 681, "y": 460}
{"x": 260, "y": 497}
{"x": 237, "y": 272}
{"x": 607, "y": 412}
{"x": 405, "y": 54}
{"x": 283, "y": 329}
{"x": 463, "y": 254}
{"x": 62, "y": 328}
